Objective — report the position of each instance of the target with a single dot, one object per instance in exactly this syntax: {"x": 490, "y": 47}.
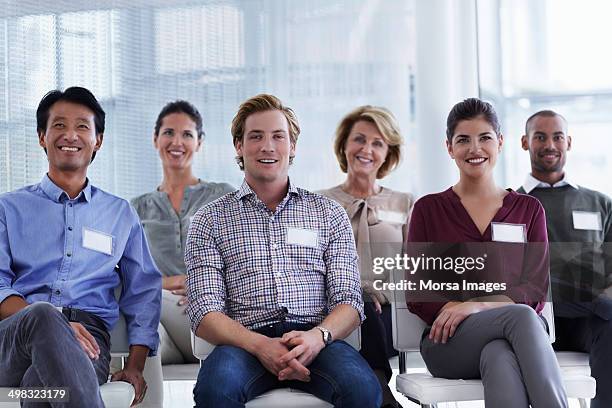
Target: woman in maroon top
{"x": 501, "y": 338}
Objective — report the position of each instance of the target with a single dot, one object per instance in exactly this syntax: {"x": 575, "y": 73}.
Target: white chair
{"x": 117, "y": 394}
{"x": 281, "y": 397}
{"x": 426, "y": 390}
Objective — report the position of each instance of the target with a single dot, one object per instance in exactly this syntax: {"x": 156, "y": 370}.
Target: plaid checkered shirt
{"x": 259, "y": 267}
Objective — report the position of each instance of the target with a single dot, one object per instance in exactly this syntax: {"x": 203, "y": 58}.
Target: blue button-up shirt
{"x": 66, "y": 252}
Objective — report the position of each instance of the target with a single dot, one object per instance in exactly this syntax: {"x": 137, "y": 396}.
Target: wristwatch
{"x": 327, "y": 336}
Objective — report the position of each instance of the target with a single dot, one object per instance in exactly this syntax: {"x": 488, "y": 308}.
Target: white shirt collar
{"x": 532, "y": 182}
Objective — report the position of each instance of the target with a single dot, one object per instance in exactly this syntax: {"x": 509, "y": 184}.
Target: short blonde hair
{"x": 386, "y": 124}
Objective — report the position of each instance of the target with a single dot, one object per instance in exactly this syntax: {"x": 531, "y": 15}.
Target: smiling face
{"x": 547, "y": 142}
{"x": 70, "y": 137}
{"x": 177, "y": 141}
{"x": 365, "y": 150}
{"x": 266, "y": 147}
{"x": 474, "y": 147}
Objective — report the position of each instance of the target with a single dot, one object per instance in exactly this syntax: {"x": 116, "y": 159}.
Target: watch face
{"x": 326, "y": 335}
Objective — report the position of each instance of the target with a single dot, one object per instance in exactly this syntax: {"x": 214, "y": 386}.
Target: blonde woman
{"x": 367, "y": 147}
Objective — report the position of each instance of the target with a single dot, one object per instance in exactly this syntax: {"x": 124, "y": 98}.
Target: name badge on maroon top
{"x": 506, "y": 232}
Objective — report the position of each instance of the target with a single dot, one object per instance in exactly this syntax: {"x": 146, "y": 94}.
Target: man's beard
{"x": 539, "y": 165}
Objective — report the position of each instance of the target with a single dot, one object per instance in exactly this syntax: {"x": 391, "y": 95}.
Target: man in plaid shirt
{"x": 273, "y": 279}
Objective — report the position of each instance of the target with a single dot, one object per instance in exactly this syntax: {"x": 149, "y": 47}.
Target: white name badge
{"x": 505, "y": 232}
{"x": 300, "y": 236}
{"x": 97, "y": 241}
{"x": 586, "y": 220}
{"x": 393, "y": 217}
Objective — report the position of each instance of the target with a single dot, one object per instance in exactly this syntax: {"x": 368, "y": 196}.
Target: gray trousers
{"x": 175, "y": 336}
{"x": 509, "y": 349}
{"x": 39, "y": 349}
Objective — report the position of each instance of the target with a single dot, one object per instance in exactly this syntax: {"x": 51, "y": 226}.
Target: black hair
{"x": 74, "y": 94}
{"x": 471, "y": 108}
{"x": 546, "y": 113}
{"x": 180, "y": 106}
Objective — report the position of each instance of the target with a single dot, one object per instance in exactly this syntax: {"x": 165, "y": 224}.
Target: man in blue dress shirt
{"x": 65, "y": 246}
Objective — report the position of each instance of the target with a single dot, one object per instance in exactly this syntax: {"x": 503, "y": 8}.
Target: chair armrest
{"x": 120, "y": 346}
{"x": 548, "y": 314}
{"x": 354, "y": 339}
{"x": 407, "y": 328}
{"x": 200, "y": 347}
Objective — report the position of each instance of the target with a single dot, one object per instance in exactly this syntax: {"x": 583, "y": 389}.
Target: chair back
{"x": 407, "y": 327}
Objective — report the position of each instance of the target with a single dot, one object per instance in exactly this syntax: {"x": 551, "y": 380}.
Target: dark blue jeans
{"x": 39, "y": 349}
{"x": 231, "y": 376}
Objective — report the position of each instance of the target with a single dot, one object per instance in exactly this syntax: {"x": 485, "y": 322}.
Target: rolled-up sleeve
{"x": 206, "y": 290}
{"x": 140, "y": 300}
{"x": 343, "y": 284}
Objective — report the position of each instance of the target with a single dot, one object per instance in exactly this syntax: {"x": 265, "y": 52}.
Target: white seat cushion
{"x": 573, "y": 362}
{"x": 180, "y": 372}
{"x": 287, "y": 397}
{"x": 116, "y": 394}
{"x": 429, "y": 390}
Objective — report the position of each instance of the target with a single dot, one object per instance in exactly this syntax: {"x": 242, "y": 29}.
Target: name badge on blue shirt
{"x": 301, "y": 236}
{"x": 586, "y": 220}
{"x": 506, "y": 232}
{"x": 97, "y": 241}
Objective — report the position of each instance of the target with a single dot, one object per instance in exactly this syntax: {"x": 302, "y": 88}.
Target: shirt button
{"x": 57, "y": 292}
{"x": 68, "y": 254}
{"x": 69, "y": 204}
{"x": 274, "y": 246}
{"x": 69, "y": 228}
{"x": 278, "y": 275}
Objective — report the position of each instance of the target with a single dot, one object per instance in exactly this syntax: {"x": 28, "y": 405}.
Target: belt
{"x": 81, "y": 316}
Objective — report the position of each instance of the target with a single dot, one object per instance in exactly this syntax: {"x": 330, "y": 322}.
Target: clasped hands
{"x": 289, "y": 356}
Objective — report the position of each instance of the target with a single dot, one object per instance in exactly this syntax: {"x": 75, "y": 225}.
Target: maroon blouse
{"x": 441, "y": 217}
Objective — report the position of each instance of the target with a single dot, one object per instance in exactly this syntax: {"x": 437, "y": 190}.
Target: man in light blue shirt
{"x": 65, "y": 246}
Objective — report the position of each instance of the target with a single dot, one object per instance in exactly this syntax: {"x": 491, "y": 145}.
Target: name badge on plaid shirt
{"x": 301, "y": 236}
